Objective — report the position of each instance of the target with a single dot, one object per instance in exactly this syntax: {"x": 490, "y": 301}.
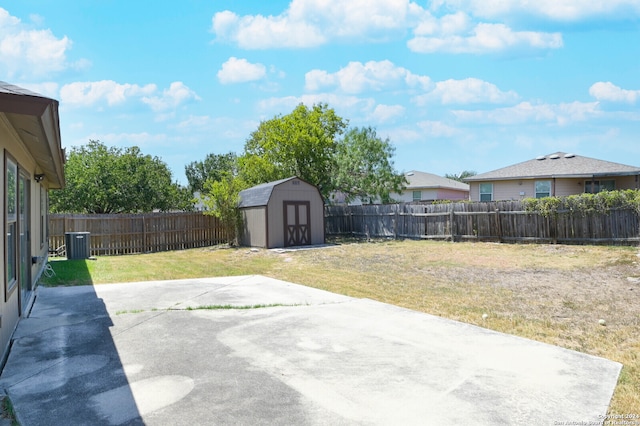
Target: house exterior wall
{"x": 431, "y": 194}
{"x": 11, "y": 147}
{"x": 255, "y": 227}
{"x": 561, "y": 187}
{"x": 453, "y": 195}
{"x": 292, "y": 191}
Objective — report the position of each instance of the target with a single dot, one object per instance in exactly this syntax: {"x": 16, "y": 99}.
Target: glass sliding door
{"x": 24, "y": 246}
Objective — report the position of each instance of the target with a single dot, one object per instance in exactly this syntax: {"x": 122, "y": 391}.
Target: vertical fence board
{"x": 138, "y": 233}
{"x": 494, "y": 221}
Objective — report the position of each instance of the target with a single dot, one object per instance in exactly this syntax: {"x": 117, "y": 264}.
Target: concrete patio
{"x": 174, "y": 353}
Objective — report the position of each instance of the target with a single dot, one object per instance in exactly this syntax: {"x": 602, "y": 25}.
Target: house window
{"x": 486, "y": 192}
{"x": 595, "y": 186}
{"x": 417, "y": 195}
{"x": 543, "y": 188}
{"x": 11, "y": 221}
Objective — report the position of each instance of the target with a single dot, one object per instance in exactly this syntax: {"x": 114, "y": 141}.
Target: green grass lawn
{"x": 551, "y": 293}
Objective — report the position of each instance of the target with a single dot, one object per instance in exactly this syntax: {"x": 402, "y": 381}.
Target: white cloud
{"x": 607, "y": 91}
{"x": 482, "y": 38}
{"x": 240, "y": 71}
{"x": 357, "y": 77}
{"x": 177, "y": 93}
{"x": 559, "y": 10}
{"x": 310, "y": 23}
{"x": 345, "y": 106}
{"x": 437, "y": 129}
{"x": 92, "y": 92}
{"x": 384, "y": 113}
{"x": 525, "y": 112}
{"x": 30, "y": 52}
{"x": 125, "y": 139}
{"x": 467, "y": 91}
{"x": 194, "y": 122}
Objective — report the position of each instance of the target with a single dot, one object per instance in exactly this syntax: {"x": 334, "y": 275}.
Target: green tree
{"x": 462, "y": 176}
{"x": 101, "y": 179}
{"x": 213, "y": 167}
{"x": 364, "y": 167}
{"x": 221, "y": 198}
{"x": 302, "y": 143}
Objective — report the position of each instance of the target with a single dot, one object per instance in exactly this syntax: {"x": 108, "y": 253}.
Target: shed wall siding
{"x": 254, "y": 232}
{"x": 288, "y": 191}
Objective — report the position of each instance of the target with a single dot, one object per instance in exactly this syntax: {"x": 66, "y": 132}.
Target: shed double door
{"x": 297, "y": 223}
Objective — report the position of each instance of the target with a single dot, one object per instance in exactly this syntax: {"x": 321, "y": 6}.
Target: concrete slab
{"x": 167, "y": 353}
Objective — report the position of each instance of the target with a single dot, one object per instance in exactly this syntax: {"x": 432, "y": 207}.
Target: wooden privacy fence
{"x": 138, "y": 233}
{"x": 496, "y": 221}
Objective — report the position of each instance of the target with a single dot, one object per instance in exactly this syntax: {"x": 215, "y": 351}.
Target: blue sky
{"x": 454, "y": 84}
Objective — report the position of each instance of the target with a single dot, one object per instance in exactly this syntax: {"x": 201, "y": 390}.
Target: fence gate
{"x": 297, "y": 219}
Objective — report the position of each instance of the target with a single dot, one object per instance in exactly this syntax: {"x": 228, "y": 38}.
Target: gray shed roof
{"x": 558, "y": 165}
{"x": 428, "y": 180}
{"x": 259, "y": 195}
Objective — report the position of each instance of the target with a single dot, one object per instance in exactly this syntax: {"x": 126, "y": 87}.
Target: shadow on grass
{"x": 65, "y": 272}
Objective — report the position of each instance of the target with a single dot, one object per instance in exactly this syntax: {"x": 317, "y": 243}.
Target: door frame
{"x": 297, "y": 234}
{"x": 24, "y": 241}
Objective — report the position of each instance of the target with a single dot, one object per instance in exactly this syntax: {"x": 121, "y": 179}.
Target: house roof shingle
{"x": 558, "y": 165}
{"x": 428, "y": 180}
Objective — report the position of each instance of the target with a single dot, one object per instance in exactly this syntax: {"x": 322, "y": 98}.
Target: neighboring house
{"x": 33, "y": 163}
{"x": 423, "y": 186}
{"x": 283, "y": 213}
{"x": 559, "y": 174}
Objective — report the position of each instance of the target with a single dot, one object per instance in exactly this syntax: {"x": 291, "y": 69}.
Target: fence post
{"x": 395, "y": 222}
{"x": 452, "y": 222}
{"x": 498, "y": 226}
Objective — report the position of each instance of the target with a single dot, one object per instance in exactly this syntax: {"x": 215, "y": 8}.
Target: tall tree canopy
{"x": 364, "y": 167}
{"x": 302, "y": 143}
{"x": 214, "y": 167}
{"x": 100, "y": 179}
{"x": 461, "y": 176}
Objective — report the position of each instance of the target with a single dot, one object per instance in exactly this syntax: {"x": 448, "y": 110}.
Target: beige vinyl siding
{"x": 9, "y": 310}
{"x": 566, "y": 187}
{"x": 451, "y": 194}
{"x": 431, "y": 195}
{"x": 560, "y": 187}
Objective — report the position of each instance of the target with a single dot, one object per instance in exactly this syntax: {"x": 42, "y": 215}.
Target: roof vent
{"x": 540, "y": 157}
{"x": 554, "y": 156}
{"x": 570, "y": 155}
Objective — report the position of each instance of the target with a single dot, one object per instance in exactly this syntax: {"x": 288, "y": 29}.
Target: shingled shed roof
{"x": 558, "y": 165}
{"x": 259, "y": 195}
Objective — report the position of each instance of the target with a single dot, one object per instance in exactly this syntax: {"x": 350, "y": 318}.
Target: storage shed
{"x": 283, "y": 213}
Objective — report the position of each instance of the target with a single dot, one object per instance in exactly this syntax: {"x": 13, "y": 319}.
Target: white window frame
{"x": 538, "y": 191}
{"x": 419, "y": 195}
{"x": 481, "y": 193}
